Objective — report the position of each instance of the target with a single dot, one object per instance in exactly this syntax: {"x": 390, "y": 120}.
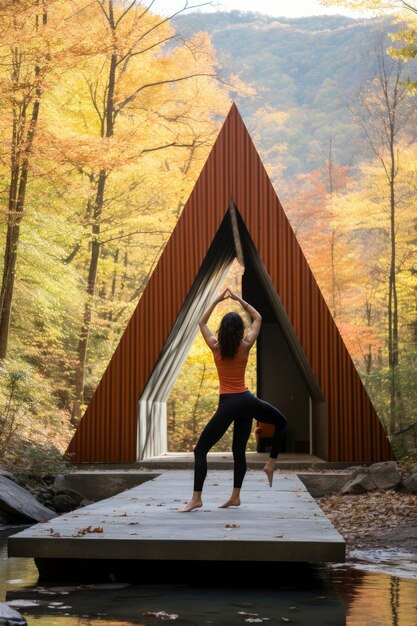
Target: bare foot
{"x": 230, "y": 502}
{"x": 269, "y": 471}
{"x": 193, "y": 504}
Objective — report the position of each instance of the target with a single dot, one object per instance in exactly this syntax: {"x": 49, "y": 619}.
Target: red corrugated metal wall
{"x": 232, "y": 172}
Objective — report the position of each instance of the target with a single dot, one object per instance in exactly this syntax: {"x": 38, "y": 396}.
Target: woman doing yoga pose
{"x": 236, "y": 403}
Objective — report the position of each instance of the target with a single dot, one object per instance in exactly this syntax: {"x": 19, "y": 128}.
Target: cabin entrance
{"x": 283, "y": 375}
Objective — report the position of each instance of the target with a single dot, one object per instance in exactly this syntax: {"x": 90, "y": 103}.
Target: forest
{"x": 108, "y": 113}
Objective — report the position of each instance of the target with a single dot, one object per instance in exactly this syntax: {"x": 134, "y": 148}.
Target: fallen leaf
{"x": 89, "y": 529}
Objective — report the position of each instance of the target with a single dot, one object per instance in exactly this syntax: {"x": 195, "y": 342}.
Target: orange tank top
{"x": 231, "y": 371}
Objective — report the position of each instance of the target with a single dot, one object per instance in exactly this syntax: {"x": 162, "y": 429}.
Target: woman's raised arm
{"x": 209, "y": 337}
{"x": 253, "y": 332}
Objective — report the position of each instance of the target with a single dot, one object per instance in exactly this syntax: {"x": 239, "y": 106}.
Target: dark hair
{"x": 230, "y": 334}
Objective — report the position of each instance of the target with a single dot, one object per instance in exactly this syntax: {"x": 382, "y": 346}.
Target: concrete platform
{"x": 224, "y": 460}
{"x": 282, "y": 523}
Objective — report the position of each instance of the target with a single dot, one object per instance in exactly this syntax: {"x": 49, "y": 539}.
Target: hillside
{"x": 306, "y": 68}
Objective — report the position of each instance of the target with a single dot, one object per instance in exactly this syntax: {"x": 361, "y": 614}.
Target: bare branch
{"x": 93, "y": 95}
{"x": 404, "y": 430}
{"x": 170, "y": 17}
{"x": 80, "y": 10}
{"x": 101, "y": 5}
{"x": 147, "y": 9}
{"x": 168, "y": 145}
{"x": 129, "y": 55}
{"x": 125, "y": 12}
{"x": 136, "y": 232}
{"x": 123, "y": 103}
{"x": 67, "y": 260}
{"x": 409, "y": 6}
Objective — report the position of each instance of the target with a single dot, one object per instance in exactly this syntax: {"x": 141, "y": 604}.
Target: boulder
{"x": 63, "y": 503}
{"x": 19, "y": 505}
{"x": 361, "y": 483}
{"x": 385, "y": 475}
{"x": 86, "y": 502}
{"x": 10, "y": 617}
{"x": 323, "y": 484}
{"x": 409, "y": 482}
{"x": 72, "y": 493}
{"x": 48, "y": 479}
{"x": 357, "y": 469}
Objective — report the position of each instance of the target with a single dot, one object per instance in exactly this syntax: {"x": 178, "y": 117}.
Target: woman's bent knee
{"x": 199, "y": 452}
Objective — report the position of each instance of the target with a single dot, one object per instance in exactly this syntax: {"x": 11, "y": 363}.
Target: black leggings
{"x": 239, "y": 408}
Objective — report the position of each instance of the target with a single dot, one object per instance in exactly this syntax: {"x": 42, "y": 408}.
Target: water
{"x": 373, "y": 588}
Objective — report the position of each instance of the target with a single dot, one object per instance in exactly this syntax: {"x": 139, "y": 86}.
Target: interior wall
{"x": 281, "y": 384}
{"x": 279, "y": 380}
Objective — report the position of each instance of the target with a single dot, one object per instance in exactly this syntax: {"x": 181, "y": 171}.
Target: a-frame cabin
{"x": 303, "y": 365}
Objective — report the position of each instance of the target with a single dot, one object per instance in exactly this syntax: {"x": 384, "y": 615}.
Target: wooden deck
{"x": 282, "y": 523}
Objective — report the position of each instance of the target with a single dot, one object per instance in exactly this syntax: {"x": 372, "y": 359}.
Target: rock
{"x": 409, "y": 482}
{"x": 359, "y": 484}
{"x": 99, "y": 485}
{"x": 59, "y": 482}
{"x": 323, "y": 484}
{"x": 10, "y": 617}
{"x": 63, "y": 503}
{"x": 43, "y": 493}
{"x": 72, "y": 493}
{"x": 85, "y": 502}
{"x": 385, "y": 474}
{"x": 48, "y": 479}
{"x": 358, "y": 469}
{"x": 21, "y": 506}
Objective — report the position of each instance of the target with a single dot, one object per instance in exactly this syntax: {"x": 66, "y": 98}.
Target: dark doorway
{"x": 279, "y": 380}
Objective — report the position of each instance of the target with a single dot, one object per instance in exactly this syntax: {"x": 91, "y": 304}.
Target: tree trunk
{"x": 21, "y": 152}
{"x": 333, "y": 272}
{"x": 395, "y": 400}
{"x": 368, "y": 356}
{"x": 113, "y": 282}
{"x": 333, "y": 235}
{"x": 91, "y": 284}
{"x": 95, "y": 254}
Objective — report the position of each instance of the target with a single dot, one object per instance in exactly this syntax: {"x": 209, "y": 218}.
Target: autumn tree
{"x": 309, "y": 199}
{"x": 133, "y": 76}
{"x": 386, "y": 113}
{"x": 24, "y": 50}
{"x": 335, "y": 180}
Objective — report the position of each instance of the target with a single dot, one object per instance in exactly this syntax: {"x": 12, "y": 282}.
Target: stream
{"x": 372, "y": 588}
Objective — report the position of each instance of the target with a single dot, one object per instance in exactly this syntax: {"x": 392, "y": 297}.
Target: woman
{"x": 236, "y": 403}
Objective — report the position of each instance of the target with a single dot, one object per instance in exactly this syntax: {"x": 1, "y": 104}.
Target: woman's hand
{"x": 233, "y": 295}
{"x": 223, "y": 295}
